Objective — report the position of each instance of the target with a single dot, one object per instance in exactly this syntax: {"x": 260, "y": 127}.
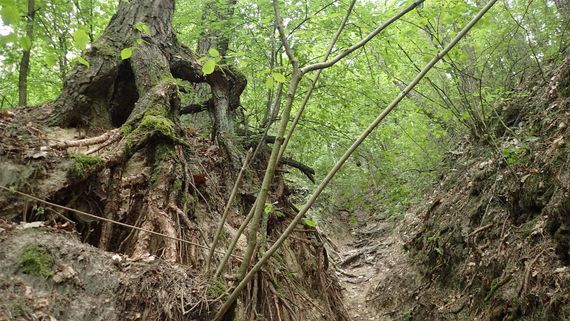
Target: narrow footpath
{"x": 365, "y": 255}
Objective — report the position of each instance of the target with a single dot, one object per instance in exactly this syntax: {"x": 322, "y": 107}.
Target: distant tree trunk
{"x": 222, "y": 109}
{"x": 220, "y": 12}
{"x": 25, "y": 61}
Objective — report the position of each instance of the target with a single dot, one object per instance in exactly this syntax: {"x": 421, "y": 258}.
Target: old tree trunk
{"x": 112, "y": 145}
{"x": 140, "y": 96}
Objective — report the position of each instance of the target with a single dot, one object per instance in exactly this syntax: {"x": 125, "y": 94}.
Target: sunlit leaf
{"x": 81, "y": 39}
{"x": 213, "y": 52}
{"x": 268, "y": 208}
{"x": 26, "y": 43}
{"x": 279, "y": 77}
{"x": 50, "y": 59}
{"x": 309, "y": 222}
{"x": 10, "y": 15}
{"x": 126, "y": 53}
{"x": 208, "y": 67}
{"x": 269, "y": 83}
{"x": 142, "y": 27}
{"x": 11, "y": 38}
{"x": 83, "y": 61}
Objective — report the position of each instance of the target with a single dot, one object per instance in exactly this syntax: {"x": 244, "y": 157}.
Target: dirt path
{"x": 367, "y": 254}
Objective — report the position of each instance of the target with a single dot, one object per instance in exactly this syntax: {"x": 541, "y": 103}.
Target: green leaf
{"x": 50, "y": 59}
{"x": 82, "y": 61}
{"x": 266, "y": 20}
{"x": 208, "y": 67}
{"x": 279, "y": 77}
{"x": 309, "y": 222}
{"x": 81, "y": 39}
{"x": 142, "y": 27}
{"x": 10, "y": 15}
{"x": 26, "y": 43}
{"x": 269, "y": 82}
{"x": 213, "y": 52}
{"x": 126, "y": 53}
{"x": 531, "y": 139}
{"x": 268, "y": 208}
{"x": 11, "y": 38}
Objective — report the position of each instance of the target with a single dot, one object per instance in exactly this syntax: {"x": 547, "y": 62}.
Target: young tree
{"x": 27, "y": 42}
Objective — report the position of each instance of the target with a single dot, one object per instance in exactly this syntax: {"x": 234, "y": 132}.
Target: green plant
{"x": 37, "y": 261}
{"x": 217, "y": 288}
{"x": 82, "y": 164}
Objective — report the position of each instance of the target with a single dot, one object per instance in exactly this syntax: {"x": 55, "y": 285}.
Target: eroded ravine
{"x": 365, "y": 255}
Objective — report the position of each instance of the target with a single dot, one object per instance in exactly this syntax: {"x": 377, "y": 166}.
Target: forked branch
{"x": 233, "y": 296}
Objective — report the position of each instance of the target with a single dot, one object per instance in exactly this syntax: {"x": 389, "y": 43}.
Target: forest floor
{"x": 367, "y": 254}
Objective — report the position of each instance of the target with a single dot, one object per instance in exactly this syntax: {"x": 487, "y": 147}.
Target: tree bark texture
{"x": 25, "y": 61}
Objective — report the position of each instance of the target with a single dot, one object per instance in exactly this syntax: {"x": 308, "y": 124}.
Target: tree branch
{"x": 233, "y": 296}
{"x": 322, "y": 65}
{"x": 314, "y": 82}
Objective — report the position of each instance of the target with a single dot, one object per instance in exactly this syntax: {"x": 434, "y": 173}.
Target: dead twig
{"x": 527, "y": 273}
{"x": 480, "y": 229}
{"x": 87, "y": 141}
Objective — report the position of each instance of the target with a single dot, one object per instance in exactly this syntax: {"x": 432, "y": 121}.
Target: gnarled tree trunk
{"x": 139, "y": 167}
{"x": 140, "y": 95}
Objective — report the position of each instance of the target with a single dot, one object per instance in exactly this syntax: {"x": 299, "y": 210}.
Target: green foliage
{"x": 400, "y": 160}
{"x": 309, "y": 222}
{"x": 82, "y": 61}
{"x": 56, "y": 44}
{"x": 278, "y": 77}
{"x": 126, "y": 53}
{"x": 217, "y": 289}
{"x": 208, "y": 67}
{"x": 209, "y": 62}
{"x": 81, "y": 39}
{"x": 10, "y": 15}
{"x": 26, "y": 43}
{"x": 37, "y": 261}
{"x": 142, "y": 27}
{"x": 268, "y": 208}
{"x": 512, "y": 155}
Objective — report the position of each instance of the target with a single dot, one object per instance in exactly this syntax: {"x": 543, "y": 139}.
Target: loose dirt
{"x": 367, "y": 255}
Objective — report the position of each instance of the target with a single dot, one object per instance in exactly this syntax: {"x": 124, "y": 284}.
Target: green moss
{"x": 216, "y": 289}
{"x": 153, "y": 121}
{"x": 106, "y": 50}
{"x": 159, "y": 124}
{"x": 37, "y": 261}
{"x": 177, "y": 185}
{"x": 82, "y": 164}
{"x": 126, "y": 129}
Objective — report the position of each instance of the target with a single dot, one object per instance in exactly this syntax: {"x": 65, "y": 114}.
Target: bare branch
{"x": 283, "y": 36}
{"x": 233, "y": 296}
{"x": 322, "y": 65}
{"x": 314, "y": 82}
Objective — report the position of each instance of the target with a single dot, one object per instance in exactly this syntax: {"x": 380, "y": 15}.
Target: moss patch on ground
{"x": 37, "y": 261}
